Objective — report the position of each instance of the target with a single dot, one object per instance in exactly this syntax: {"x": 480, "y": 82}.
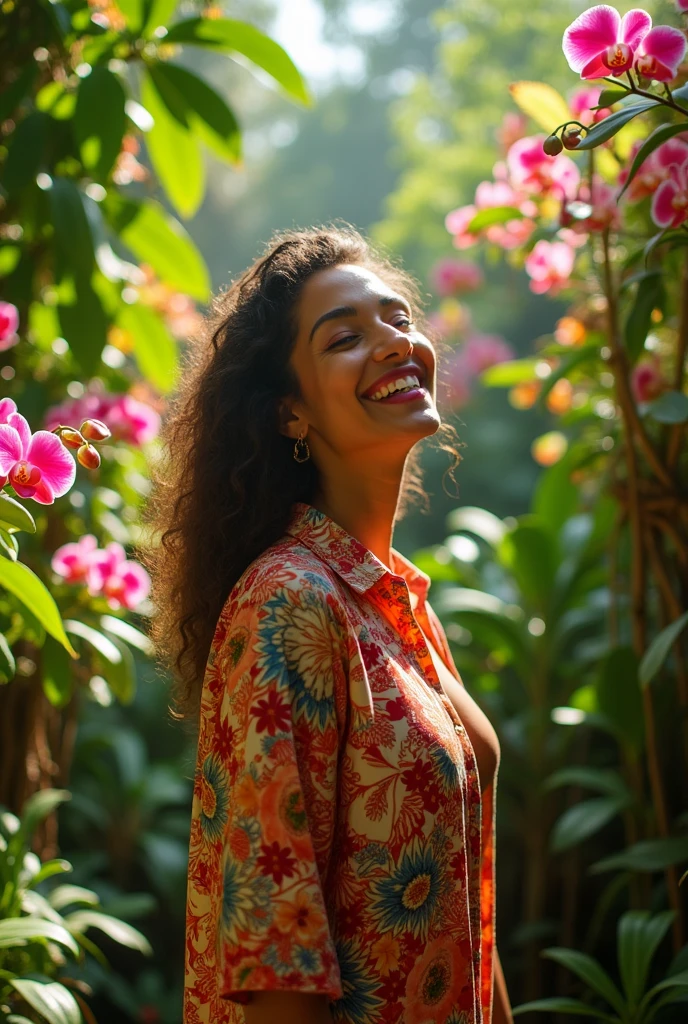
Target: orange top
{"x": 339, "y": 841}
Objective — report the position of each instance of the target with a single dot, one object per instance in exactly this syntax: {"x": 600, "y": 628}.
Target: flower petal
{"x": 7, "y": 406}
{"x": 596, "y": 68}
{"x": 49, "y": 455}
{"x": 10, "y": 448}
{"x": 590, "y": 34}
{"x": 667, "y": 44}
{"x": 635, "y": 25}
{"x": 21, "y": 425}
{"x": 662, "y": 211}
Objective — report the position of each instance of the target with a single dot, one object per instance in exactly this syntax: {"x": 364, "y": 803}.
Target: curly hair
{"x": 225, "y": 480}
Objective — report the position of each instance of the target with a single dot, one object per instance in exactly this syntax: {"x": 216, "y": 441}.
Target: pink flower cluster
{"x": 129, "y": 420}
{"x": 477, "y": 353}
{"x": 36, "y": 465}
{"x": 9, "y": 322}
{"x": 450, "y": 277}
{"x": 105, "y": 571}
{"x": 600, "y": 42}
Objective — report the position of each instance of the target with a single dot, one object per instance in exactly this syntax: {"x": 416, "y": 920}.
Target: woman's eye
{"x": 404, "y": 323}
{"x": 343, "y": 341}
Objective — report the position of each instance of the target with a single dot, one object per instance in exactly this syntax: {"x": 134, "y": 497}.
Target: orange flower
{"x": 549, "y": 448}
{"x": 436, "y": 982}
{"x": 386, "y": 949}
{"x": 559, "y": 398}
{"x": 246, "y": 796}
{"x": 283, "y": 812}
{"x": 300, "y": 918}
{"x": 570, "y": 331}
{"x": 522, "y": 396}
{"x": 239, "y": 843}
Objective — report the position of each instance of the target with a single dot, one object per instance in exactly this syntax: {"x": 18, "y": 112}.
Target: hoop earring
{"x": 302, "y": 452}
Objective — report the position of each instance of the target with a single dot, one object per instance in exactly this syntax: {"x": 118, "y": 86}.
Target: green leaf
{"x": 49, "y": 868}
{"x": 125, "y": 631}
{"x": 9, "y": 544}
{"x": 529, "y": 552}
{"x": 510, "y": 372}
{"x": 476, "y": 520}
{"x": 100, "y": 120}
{"x": 608, "y": 97}
{"x": 603, "y": 780}
{"x": 9, "y": 258}
{"x": 583, "y": 820}
{"x": 73, "y": 236}
{"x": 649, "y": 295}
{"x": 26, "y": 149}
{"x": 17, "y": 931}
{"x": 158, "y": 12}
{"x": 671, "y": 407}
{"x": 66, "y": 895}
{"x": 84, "y": 324}
{"x": 58, "y": 100}
{"x": 658, "y": 136}
{"x": 202, "y": 108}
{"x": 105, "y": 647}
{"x": 647, "y": 856}
{"x": 13, "y": 513}
{"x": 51, "y": 1000}
{"x": 493, "y": 215}
{"x": 174, "y": 153}
{"x": 679, "y": 981}
{"x": 639, "y": 935}
{"x": 133, "y": 11}
{"x": 230, "y": 36}
{"x": 57, "y": 678}
{"x": 607, "y": 128}
{"x": 158, "y": 239}
{"x": 38, "y": 806}
{"x": 118, "y": 931}
{"x": 657, "y": 652}
{"x": 8, "y": 666}
{"x": 559, "y": 1004}
{"x": 619, "y": 697}
{"x": 155, "y": 350}
{"x": 589, "y": 971}
{"x": 32, "y": 592}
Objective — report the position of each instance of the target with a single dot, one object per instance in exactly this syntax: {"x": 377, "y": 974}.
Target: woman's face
{"x": 355, "y": 345}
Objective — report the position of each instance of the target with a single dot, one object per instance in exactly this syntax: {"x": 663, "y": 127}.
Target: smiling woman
{"x": 342, "y": 855}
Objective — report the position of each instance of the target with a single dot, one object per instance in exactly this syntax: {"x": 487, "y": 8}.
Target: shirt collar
{"x": 350, "y": 559}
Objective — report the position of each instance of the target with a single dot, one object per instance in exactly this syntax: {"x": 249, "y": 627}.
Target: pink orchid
{"x": 489, "y": 194}
{"x": 582, "y": 100}
{"x": 7, "y": 407}
{"x": 647, "y": 379}
{"x": 451, "y": 276}
{"x": 654, "y": 170}
{"x": 530, "y": 168}
{"x": 682, "y": 5}
{"x": 660, "y": 53}
{"x": 572, "y": 237}
{"x": 604, "y": 203}
{"x": 456, "y": 223}
{"x": 124, "y": 582}
{"x": 600, "y": 41}
{"x": 9, "y": 322}
{"x": 481, "y": 351}
{"x": 670, "y": 202}
{"x": 37, "y": 465}
{"x": 71, "y": 561}
{"x": 549, "y": 266}
{"x": 129, "y": 420}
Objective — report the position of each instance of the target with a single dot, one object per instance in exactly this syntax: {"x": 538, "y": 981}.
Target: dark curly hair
{"x": 226, "y": 480}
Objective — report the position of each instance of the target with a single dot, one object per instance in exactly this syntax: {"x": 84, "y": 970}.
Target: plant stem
{"x": 650, "y": 95}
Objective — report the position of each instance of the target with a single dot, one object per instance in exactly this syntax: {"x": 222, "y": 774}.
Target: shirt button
{"x": 459, "y": 729}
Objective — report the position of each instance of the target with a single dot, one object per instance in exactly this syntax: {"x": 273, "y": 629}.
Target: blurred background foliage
{"x": 113, "y": 231}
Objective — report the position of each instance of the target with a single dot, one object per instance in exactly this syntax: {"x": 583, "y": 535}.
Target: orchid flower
{"x": 600, "y": 41}
{"x": 37, "y": 465}
{"x": 530, "y": 168}
{"x": 9, "y": 321}
{"x": 669, "y": 206}
{"x": 124, "y": 582}
{"x": 71, "y": 561}
{"x": 654, "y": 170}
{"x": 549, "y": 266}
{"x": 660, "y": 53}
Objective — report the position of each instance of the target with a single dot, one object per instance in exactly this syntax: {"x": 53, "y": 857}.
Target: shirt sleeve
{"x": 273, "y": 762}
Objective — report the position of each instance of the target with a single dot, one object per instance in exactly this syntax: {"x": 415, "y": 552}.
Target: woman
{"x": 341, "y": 862}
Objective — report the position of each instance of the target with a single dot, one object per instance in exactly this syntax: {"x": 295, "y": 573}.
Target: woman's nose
{"x": 390, "y": 341}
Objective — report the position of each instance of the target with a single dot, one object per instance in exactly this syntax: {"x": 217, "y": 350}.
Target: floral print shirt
{"x": 339, "y": 840}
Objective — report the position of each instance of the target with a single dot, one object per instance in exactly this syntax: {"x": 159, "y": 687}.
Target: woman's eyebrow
{"x": 339, "y": 311}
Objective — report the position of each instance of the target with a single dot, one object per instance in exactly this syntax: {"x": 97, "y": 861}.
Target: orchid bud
{"x": 552, "y": 145}
{"x": 88, "y": 457}
{"x": 72, "y": 438}
{"x": 95, "y": 430}
{"x": 571, "y": 138}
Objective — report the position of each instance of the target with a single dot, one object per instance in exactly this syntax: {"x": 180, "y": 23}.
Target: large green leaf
{"x": 657, "y": 652}
{"x": 17, "y": 931}
{"x": 671, "y": 407}
{"x": 158, "y": 239}
{"x": 619, "y": 697}
{"x": 651, "y": 143}
{"x": 589, "y": 971}
{"x": 84, "y": 326}
{"x": 57, "y": 676}
{"x": 52, "y": 1001}
{"x": 100, "y": 120}
{"x": 14, "y": 514}
{"x": 174, "y": 152}
{"x": 157, "y": 13}
{"x": 674, "y": 981}
{"x": 104, "y": 646}
{"x": 556, "y": 497}
{"x": 646, "y": 856}
{"x": 73, "y": 236}
{"x": 583, "y": 820}
{"x": 35, "y": 810}
{"x": 200, "y": 107}
{"x": 493, "y": 215}
{"x": 602, "y": 780}
{"x": 67, "y": 895}
{"x": 155, "y": 350}
{"x": 8, "y": 666}
{"x": 560, "y": 1004}
{"x": 650, "y": 294}
{"x": 607, "y": 128}
{"x": 639, "y": 935}
{"x": 118, "y": 931}
{"x": 26, "y": 149}
{"x": 32, "y": 592}
{"x": 529, "y": 552}
{"x": 231, "y": 36}
{"x": 125, "y": 631}
{"x": 506, "y": 374}
{"x": 473, "y": 519}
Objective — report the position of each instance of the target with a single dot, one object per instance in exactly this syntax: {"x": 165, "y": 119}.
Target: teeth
{"x": 400, "y": 384}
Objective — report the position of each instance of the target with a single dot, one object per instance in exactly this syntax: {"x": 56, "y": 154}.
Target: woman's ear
{"x": 291, "y": 422}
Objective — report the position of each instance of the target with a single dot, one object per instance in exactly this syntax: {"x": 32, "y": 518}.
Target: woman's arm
{"x": 501, "y": 1007}
{"x": 287, "y": 1008}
